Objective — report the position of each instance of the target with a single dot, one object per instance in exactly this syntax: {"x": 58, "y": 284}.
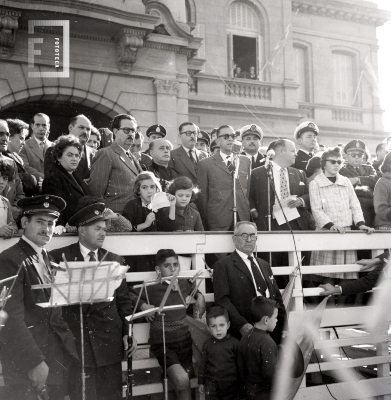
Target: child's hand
{"x": 150, "y": 218}
{"x": 148, "y": 317}
{"x": 200, "y": 305}
{"x": 171, "y": 199}
{"x": 7, "y": 231}
{"x": 201, "y": 389}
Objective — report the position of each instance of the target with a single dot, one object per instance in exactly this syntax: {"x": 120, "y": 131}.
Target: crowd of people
{"x": 90, "y": 181}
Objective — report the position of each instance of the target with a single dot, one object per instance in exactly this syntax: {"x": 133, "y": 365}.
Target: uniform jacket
{"x": 83, "y": 169}
{"x": 258, "y": 162}
{"x": 68, "y": 186}
{"x": 32, "y": 334}
{"x": 298, "y": 185}
{"x": 234, "y": 290}
{"x": 113, "y": 175}
{"x": 301, "y": 160}
{"x": 33, "y": 158}
{"x": 217, "y": 198}
{"x": 334, "y": 202}
{"x": 181, "y": 165}
{"x": 366, "y": 173}
{"x": 104, "y": 322}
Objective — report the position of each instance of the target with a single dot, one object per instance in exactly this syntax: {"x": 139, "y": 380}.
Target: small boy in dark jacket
{"x": 257, "y": 356}
{"x": 218, "y": 372}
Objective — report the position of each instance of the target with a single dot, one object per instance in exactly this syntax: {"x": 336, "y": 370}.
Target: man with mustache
{"x": 36, "y": 344}
{"x": 79, "y": 126}
{"x": 34, "y": 150}
{"x": 252, "y": 136}
{"x": 185, "y": 158}
{"x": 306, "y": 135}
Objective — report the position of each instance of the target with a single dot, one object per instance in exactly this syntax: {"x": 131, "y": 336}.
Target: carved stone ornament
{"x": 165, "y": 86}
{"x": 128, "y": 42}
{"x": 8, "y": 28}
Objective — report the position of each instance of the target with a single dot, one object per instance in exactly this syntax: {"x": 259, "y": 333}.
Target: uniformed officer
{"x": 214, "y": 147}
{"x": 203, "y": 142}
{"x": 37, "y": 346}
{"x": 362, "y": 176}
{"x": 306, "y": 135}
{"x": 105, "y": 329}
{"x": 252, "y": 136}
{"x": 155, "y": 132}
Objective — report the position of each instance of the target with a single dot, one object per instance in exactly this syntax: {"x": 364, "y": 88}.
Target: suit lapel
{"x": 123, "y": 158}
{"x": 220, "y": 163}
{"x": 292, "y": 180}
{"x": 266, "y": 276}
{"x": 240, "y": 264}
{"x": 186, "y": 160}
{"x": 35, "y": 148}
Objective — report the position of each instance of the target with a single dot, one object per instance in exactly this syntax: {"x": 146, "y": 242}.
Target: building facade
{"x": 167, "y": 61}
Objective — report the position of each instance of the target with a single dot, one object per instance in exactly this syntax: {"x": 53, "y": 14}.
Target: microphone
{"x": 269, "y": 156}
{"x": 236, "y": 147}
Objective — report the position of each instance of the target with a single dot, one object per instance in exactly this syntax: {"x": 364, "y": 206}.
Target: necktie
{"x": 192, "y": 158}
{"x": 46, "y": 271}
{"x": 230, "y": 166}
{"x": 283, "y": 184}
{"x": 129, "y": 156}
{"x": 310, "y": 154}
{"x": 42, "y": 147}
{"x": 259, "y": 281}
{"x": 92, "y": 256}
{"x": 252, "y": 161}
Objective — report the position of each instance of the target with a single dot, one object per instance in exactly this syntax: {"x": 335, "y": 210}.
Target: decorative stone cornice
{"x": 8, "y": 28}
{"x": 128, "y": 42}
{"x": 166, "y": 86}
{"x": 342, "y": 11}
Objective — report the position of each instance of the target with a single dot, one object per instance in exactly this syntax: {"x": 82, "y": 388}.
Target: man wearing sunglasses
{"x": 185, "y": 158}
{"x": 362, "y": 176}
{"x": 240, "y": 277}
{"x": 216, "y": 176}
{"x": 114, "y": 169}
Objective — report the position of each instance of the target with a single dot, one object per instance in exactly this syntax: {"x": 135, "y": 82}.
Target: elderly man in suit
{"x": 34, "y": 150}
{"x": 185, "y": 158}
{"x": 114, "y": 168}
{"x": 252, "y": 136}
{"x": 79, "y": 126}
{"x": 240, "y": 277}
{"x": 215, "y": 179}
{"x": 37, "y": 347}
{"x": 105, "y": 330}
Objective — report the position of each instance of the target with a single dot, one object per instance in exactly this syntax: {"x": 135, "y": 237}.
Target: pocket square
{"x": 301, "y": 183}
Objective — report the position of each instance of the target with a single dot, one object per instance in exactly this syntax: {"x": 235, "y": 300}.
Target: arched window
{"x": 344, "y": 78}
{"x": 245, "y": 30}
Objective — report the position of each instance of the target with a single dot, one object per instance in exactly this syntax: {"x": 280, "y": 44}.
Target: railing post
{"x": 383, "y": 370}
{"x": 299, "y": 300}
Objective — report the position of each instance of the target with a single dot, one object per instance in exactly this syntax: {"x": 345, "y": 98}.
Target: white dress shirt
{"x": 41, "y": 267}
{"x": 244, "y": 257}
{"x": 84, "y": 252}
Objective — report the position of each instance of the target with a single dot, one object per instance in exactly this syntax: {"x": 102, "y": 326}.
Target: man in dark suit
{"x": 79, "y": 126}
{"x": 240, "y": 277}
{"x": 114, "y": 168}
{"x": 185, "y": 158}
{"x": 160, "y": 150}
{"x": 306, "y": 135}
{"x": 144, "y": 159}
{"x": 252, "y": 136}
{"x": 105, "y": 330}
{"x": 288, "y": 182}
{"x": 35, "y": 148}
{"x": 37, "y": 346}
{"x": 215, "y": 179}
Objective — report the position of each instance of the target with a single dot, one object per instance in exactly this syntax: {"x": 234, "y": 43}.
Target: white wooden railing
{"x": 197, "y": 244}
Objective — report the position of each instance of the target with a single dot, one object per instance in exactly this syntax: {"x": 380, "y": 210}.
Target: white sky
{"x": 384, "y": 37}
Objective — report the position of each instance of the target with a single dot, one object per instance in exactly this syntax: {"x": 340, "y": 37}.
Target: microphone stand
{"x": 269, "y": 208}
{"x": 235, "y": 176}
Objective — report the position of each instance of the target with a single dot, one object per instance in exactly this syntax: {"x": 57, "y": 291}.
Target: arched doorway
{"x": 60, "y": 112}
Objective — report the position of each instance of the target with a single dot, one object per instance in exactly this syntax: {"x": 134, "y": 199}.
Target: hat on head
{"x": 159, "y": 129}
{"x": 355, "y": 145}
{"x": 88, "y": 215}
{"x": 203, "y": 136}
{"x": 213, "y": 145}
{"x": 251, "y": 130}
{"x": 307, "y": 126}
{"x": 43, "y": 204}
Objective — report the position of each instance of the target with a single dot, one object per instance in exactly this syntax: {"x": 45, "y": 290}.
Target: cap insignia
{"x": 311, "y": 125}
{"x": 96, "y": 212}
{"x": 358, "y": 144}
{"x": 253, "y": 127}
{"x": 157, "y": 129}
{"x": 46, "y": 205}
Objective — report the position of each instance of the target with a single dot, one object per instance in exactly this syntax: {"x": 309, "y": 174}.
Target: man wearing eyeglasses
{"x": 114, "y": 169}
{"x": 240, "y": 277}
{"x": 216, "y": 176}
{"x": 185, "y": 158}
{"x": 362, "y": 176}
{"x": 79, "y": 126}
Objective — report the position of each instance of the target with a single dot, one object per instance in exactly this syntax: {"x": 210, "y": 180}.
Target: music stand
{"x": 83, "y": 283}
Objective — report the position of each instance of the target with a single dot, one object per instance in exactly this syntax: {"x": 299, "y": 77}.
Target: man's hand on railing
{"x": 369, "y": 264}
{"x": 329, "y": 289}
{"x": 336, "y": 228}
{"x": 200, "y": 305}
{"x": 245, "y": 328}
{"x": 59, "y": 230}
{"x": 366, "y": 229}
